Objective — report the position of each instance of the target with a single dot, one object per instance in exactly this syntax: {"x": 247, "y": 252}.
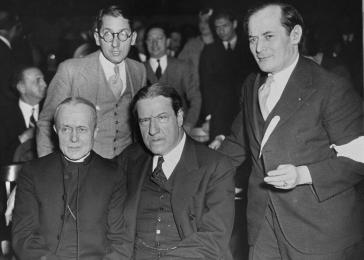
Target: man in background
{"x": 106, "y": 77}
{"x": 172, "y": 72}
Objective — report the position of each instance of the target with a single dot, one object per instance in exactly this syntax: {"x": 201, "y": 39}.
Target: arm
{"x": 59, "y": 89}
{"x": 116, "y": 226}
{"x": 28, "y": 243}
{"x": 342, "y": 119}
{"x": 193, "y": 97}
{"x": 215, "y": 221}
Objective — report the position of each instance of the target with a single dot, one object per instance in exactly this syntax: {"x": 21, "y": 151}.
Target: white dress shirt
{"x": 154, "y": 63}
{"x": 108, "y": 68}
{"x": 27, "y": 111}
{"x": 171, "y": 159}
{"x": 232, "y": 43}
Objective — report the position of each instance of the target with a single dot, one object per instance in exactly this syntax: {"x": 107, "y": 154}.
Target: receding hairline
{"x": 72, "y": 102}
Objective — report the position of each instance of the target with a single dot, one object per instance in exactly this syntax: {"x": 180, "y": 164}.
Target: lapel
{"x": 130, "y": 76}
{"x": 152, "y": 78}
{"x": 298, "y": 90}
{"x": 252, "y": 101}
{"x": 139, "y": 168}
{"x": 187, "y": 177}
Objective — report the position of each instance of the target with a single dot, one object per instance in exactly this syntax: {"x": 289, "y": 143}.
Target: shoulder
{"x": 132, "y": 154}
{"x": 134, "y": 64}
{"x": 76, "y": 63}
{"x": 207, "y": 157}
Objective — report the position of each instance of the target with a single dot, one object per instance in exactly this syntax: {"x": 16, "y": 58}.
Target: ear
{"x": 296, "y": 34}
{"x": 54, "y": 128}
{"x": 133, "y": 38}
{"x": 180, "y": 117}
{"x": 235, "y": 24}
{"x": 95, "y": 132}
{"x": 97, "y": 38}
{"x": 20, "y": 87}
{"x": 168, "y": 42}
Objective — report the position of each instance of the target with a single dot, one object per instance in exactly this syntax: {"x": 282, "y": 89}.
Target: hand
{"x": 286, "y": 177}
{"x": 214, "y": 145}
{"x": 27, "y": 134}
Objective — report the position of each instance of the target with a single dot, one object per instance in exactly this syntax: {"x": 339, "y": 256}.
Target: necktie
{"x": 263, "y": 96}
{"x": 32, "y": 121}
{"x": 229, "y": 49}
{"x": 158, "y": 71}
{"x": 115, "y": 82}
{"x": 158, "y": 175}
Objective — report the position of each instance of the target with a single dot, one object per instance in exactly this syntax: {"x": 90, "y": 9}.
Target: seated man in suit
{"x": 180, "y": 202}
{"x": 18, "y": 127}
{"x": 69, "y": 204}
{"x": 172, "y": 72}
{"x": 106, "y": 77}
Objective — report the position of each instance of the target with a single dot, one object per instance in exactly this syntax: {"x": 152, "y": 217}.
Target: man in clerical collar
{"x": 69, "y": 203}
{"x": 180, "y": 194}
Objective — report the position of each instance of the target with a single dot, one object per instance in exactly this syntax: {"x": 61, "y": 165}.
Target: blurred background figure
{"x": 17, "y": 142}
{"x": 176, "y": 42}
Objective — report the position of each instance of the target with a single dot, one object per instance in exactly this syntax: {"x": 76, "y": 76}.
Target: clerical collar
{"x": 84, "y": 159}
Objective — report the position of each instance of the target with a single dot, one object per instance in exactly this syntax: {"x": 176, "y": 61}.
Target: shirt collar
{"x": 171, "y": 158}
{"x": 6, "y": 41}
{"x": 162, "y": 60}
{"x": 232, "y": 42}
{"x": 108, "y": 67}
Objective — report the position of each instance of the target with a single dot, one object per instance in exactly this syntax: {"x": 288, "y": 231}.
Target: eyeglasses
{"x": 122, "y": 36}
{"x": 162, "y": 119}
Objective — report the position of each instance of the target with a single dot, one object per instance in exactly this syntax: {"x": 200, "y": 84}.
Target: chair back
{"x": 9, "y": 174}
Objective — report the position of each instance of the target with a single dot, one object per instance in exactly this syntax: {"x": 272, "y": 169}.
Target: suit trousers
{"x": 271, "y": 244}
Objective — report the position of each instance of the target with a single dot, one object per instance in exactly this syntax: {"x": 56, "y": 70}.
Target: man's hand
{"x": 27, "y": 134}
{"x": 214, "y": 145}
{"x": 288, "y": 176}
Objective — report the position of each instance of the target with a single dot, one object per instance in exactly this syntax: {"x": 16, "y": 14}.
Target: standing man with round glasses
{"x": 106, "y": 77}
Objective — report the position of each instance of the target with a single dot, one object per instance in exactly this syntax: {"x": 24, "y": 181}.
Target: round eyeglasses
{"x": 122, "y": 36}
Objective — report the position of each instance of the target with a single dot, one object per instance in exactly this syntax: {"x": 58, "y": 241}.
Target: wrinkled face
{"x": 76, "y": 131}
{"x": 156, "y": 43}
{"x": 116, "y": 50}
{"x": 272, "y": 47}
{"x": 160, "y": 127}
{"x": 225, "y": 29}
{"x": 32, "y": 87}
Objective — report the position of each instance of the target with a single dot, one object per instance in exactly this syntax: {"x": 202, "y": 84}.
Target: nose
{"x": 43, "y": 84}
{"x": 153, "y": 127}
{"x": 259, "y": 46}
{"x": 115, "y": 41}
{"x": 74, "y": 136}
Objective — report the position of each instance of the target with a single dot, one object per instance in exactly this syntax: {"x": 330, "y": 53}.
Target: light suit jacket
{"x": 85, "y": 77}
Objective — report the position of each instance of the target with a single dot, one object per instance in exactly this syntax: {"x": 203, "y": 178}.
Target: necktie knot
{"x": 158, "y": 175}
{"x": 115, "y": 82}
{"x": 229, "y": 46}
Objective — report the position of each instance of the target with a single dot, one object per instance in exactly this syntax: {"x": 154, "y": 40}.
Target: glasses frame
{"x": 117, "y": 36}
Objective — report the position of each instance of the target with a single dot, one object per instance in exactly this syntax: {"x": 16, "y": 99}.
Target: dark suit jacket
{"x": 317, "y": 109}
{"x": 178, "y": 76}
{"x": 39, "y": 207}
{"x": 14, "y": 125}
{"x": 202, "y": 202}
{"x": 222, "y": 74}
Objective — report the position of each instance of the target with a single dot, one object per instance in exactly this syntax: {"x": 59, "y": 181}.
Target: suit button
{"x": 116, "y": 122}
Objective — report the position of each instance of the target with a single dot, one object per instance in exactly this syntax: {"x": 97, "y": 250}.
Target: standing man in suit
{"x": 106, "y": 77}
{"x": 224, "y": 65}
{"x": 303, "y": 128}
{"x": 69, "y": 204}
{"x": 9, "y": 30}
{"x": 172, "y": 72}
{"x": 180, "y": 202}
